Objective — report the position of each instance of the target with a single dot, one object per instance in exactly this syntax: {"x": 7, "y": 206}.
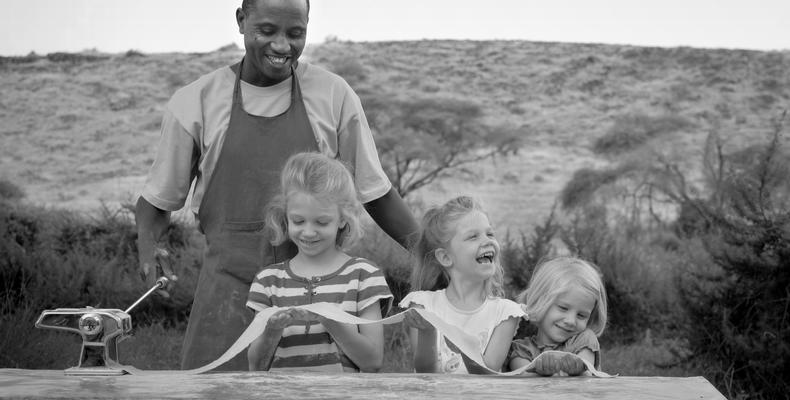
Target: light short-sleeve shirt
{"x": 196, "y": 120}
{"x": 479, "y": 322}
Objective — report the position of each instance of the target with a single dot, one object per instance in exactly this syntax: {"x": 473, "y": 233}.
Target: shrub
{"x": 521, "y": 255}
{"x": 10, "y": 191}
{"x": 618, "y": 255}
{"x": 585, "y": 182}
{"x": 132, "y": 53}
{"x": 632, "y": 130}
{"x": 739, "y": 301}
{"x": 51, "y": 258}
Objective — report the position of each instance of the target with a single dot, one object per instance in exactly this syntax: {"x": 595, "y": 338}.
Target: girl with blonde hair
{"x": 318, "y": 210}
{"x": 458, "y": 277}
{"x": 566, "y": 300}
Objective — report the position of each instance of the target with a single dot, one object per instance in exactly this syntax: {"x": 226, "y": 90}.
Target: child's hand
{"x": 549, "y": 364}
{"x": 280, "y": 320}
{"x": 572, "y": 365}
{"x": 413, "y": 319}
{"x": 292, "y": 316}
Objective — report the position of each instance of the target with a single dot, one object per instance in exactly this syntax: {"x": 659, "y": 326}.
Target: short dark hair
{"x": 246, "y": 5}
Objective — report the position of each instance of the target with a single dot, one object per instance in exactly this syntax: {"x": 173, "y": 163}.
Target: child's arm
{"x": 499, "y": 344}
{"x": 518, "y": 362}
{"x": 423, "y": 338}
{"x": 587, "y": 355}
{"x": 363, "y": 344}
{"x": 260, "y": 353}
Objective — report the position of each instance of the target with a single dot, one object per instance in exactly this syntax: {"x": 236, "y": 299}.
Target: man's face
{"x": 274, "y": 37}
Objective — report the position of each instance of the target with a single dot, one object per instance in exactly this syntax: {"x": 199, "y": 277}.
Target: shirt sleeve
{"x": 372, "y": 288}
{"x": 174, "y": 167}
{"x": 522, "y": 348}
{"x": 357, "y": 147}
{"x": 260, "y": 295}
{"x": 510, "y": 309}
{"x": 585, "y": 340}
{"x": 415, "y": 298}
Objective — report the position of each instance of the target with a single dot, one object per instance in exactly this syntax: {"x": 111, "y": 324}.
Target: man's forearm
{"x": 394, "y": 217}
{"x": 151, "y": 221}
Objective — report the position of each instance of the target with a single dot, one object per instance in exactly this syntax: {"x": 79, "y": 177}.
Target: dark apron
{"x": 246, "y": 177}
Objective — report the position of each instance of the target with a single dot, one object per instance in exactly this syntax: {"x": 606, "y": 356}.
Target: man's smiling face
{"x": 275, "y": 32}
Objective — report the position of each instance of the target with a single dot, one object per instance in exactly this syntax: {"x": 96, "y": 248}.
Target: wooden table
{"x": 49, "y": 384}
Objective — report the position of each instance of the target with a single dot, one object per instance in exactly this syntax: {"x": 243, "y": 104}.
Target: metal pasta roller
{"x": 101, "y": 330}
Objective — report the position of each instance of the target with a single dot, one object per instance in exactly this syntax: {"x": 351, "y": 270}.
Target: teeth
{"x": 486, "y": 257}
{"x": 277, "y": 60}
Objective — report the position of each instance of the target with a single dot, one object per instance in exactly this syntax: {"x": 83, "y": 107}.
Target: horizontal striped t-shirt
{"x": 355, "y": 286}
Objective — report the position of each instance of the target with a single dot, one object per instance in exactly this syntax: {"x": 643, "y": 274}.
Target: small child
{"x": 566, "y": 299}
{"x": 319, "y": 211}
{"x": 459, "y": 278}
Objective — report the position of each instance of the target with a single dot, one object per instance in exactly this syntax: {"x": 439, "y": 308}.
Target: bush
{"x": 520, "y": 256}
{"x": 589, "y": 236}
{"x": 632, "y": 130}
{"x": 739, "y": 301}
{"x": 583, "y": 185}
{"x": 51, "y": 259}
{"x": 10, "y": 191}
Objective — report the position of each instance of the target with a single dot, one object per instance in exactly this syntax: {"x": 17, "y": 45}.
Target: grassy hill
{"x": 81, "y": 129}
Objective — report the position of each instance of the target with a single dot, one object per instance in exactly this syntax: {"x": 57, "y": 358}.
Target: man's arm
{"x": 152, "y": 224}
{"x": 394, "y": 218}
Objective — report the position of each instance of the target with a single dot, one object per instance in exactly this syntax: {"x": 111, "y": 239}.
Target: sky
{"x": 155, "y": 26}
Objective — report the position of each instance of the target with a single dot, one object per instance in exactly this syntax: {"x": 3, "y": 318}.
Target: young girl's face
{"x": 312, "y": 224}
{"x": 566, "y": 317}
{"x": 473, "y": 249}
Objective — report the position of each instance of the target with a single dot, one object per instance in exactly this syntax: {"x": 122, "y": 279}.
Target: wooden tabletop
{"x": 49, "y": 384}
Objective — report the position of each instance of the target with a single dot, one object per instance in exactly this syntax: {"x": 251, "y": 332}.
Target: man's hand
{"x": 156, "y": 261}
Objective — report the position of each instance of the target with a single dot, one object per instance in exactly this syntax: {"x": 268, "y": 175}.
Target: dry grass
{"x": 76, "y": 134}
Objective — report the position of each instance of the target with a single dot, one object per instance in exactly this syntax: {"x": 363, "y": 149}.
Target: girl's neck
{"x": 466, "y": 295}
{"x": 325, "y": 263}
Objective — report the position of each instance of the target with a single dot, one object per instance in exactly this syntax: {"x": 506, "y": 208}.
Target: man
{"x": 230, "y": 132}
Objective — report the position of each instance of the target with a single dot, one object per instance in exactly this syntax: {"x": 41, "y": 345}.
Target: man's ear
{"x": 240, "y": 18}
{"x": 443, "y": 257}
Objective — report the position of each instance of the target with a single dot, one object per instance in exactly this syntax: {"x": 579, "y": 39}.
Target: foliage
{"x": 741, "y": 301}
{"x": 51, "y": 258}
{"x": 585, "y": 183}
{"x": 521, "y": 255}
{"x": 733, "y": 244}
{"x": 632, "y": 130}
{"x": 424, "y": 139}
{"x": 619, "y": 258}
{"x": 9, "y": 191}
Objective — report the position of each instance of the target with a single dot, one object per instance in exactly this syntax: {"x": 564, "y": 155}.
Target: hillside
{"x": 81, "y": 130}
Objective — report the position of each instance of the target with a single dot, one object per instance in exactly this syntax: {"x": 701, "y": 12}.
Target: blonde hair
{"x": 325, "y": 179}
{"x": 438, "y": 228}
{"x": 558, "y": 275}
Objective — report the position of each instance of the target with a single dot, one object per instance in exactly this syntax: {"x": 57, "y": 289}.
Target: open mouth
{"x": 487, "y": 258}
{"x": 278, "y": 60}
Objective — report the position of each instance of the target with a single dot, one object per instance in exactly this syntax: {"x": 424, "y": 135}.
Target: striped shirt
{"x": 355, "y": 286}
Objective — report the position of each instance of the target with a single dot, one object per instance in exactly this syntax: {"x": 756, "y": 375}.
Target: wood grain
{"x": 49, "y": 384}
